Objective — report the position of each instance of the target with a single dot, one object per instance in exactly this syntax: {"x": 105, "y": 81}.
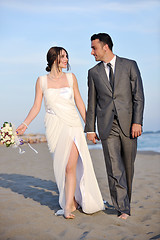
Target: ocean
{"x": 148, "y": 141}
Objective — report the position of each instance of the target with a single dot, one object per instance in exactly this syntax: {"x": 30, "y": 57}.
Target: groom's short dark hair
{"x": 104, "y": 38}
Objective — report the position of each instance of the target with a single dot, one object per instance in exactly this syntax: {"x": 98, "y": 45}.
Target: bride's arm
{"x": 78, "y": 99}
{"x": 34, "y": 110}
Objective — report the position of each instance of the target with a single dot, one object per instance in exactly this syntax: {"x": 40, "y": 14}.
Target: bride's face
{"x": 63, "y": 60}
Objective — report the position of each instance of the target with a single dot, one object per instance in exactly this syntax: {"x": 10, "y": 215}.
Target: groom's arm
{"x": 138, "y": 100}
{"x": 91, "y": 108}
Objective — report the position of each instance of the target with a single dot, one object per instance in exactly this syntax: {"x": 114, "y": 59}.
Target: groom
{"x": 116, "y": 100}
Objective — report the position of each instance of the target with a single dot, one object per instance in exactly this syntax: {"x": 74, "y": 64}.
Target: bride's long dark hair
{"x": 52, "y": 56}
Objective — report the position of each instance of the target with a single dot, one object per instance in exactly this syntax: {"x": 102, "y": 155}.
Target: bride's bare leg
{"x": 70, "y": 183}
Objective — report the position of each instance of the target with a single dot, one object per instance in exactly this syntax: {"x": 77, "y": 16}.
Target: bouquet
{"x": 9, "y": 137}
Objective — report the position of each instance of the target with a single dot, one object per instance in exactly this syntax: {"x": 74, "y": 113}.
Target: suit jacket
{"x": 127, "y": 98}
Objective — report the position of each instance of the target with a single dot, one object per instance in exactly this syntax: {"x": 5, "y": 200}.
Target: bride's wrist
{"x": 25, "y": 124}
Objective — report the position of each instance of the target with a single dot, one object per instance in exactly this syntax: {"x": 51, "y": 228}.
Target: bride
{"x": 72, "y": 163}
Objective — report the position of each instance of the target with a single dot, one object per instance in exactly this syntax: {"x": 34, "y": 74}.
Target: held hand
{"x": 136, "y": 130}
{"x": 92, "y": 137}
{"x": 21, "y": 129}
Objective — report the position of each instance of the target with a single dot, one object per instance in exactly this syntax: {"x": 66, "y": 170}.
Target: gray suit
{"x": 115, "y": 112}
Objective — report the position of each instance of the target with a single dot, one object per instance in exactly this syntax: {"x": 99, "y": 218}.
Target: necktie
{"x": 111, "y": 77}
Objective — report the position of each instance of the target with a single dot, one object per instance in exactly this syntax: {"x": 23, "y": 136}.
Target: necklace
{"x": 53, "y": 77}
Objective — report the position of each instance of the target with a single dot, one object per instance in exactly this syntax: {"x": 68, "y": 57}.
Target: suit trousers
{"x": 119, "y": 153}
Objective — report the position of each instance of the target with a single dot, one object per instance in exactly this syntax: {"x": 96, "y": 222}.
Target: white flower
{"x": 2, "y": 134}
{"x": 7, "y": 138}
{"x": 5, "y": 129}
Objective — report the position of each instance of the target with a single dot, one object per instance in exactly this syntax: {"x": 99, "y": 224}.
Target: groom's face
{"x": 98, "y": 50}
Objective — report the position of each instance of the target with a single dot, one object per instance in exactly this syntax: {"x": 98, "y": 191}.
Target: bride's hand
{"x": 21, "y": 129}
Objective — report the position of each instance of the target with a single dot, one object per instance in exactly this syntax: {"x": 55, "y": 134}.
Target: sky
{"x": 29, "y": 28}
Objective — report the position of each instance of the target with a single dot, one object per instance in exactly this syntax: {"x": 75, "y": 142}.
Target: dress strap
{"x": 70, "y": 79}
{"x": 43, "y": 83}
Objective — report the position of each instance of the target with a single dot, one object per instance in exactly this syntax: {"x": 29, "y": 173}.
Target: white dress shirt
{"x": 112, "y": 62}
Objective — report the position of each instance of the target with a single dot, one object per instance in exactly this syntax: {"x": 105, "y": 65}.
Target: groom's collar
{"x": 112, "y": 62}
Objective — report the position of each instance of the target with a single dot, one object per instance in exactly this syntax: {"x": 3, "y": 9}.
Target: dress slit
{"x": 79, "y": 176}
{"x": 79, "y": 173}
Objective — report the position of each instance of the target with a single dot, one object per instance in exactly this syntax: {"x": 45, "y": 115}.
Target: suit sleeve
{"x": 137, "y": 94}
{"x": 91, "y": 109}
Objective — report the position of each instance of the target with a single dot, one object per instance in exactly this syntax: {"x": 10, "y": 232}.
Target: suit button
{"x": 112, "y": 110}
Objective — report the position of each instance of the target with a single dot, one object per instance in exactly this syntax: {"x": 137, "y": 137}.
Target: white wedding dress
{"x": 63, "y": 127}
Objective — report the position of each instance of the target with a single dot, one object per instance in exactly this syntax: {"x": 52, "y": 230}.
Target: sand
{"x": 29, "y": 199}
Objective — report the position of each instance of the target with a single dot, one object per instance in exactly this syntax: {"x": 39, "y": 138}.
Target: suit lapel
{"x": 118, "y": 70}
{"x": 103, "y": 75}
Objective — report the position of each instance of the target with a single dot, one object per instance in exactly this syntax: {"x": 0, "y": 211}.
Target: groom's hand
{"x": 136, "y": 130}
{"x": 92, "y": 137}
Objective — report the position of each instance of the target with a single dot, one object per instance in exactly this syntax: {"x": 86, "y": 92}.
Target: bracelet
{"x": 25, "y": 124}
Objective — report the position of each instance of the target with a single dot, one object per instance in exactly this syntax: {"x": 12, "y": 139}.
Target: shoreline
{"x": 41, "y": 138}
{"x": 34, "y": 138}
